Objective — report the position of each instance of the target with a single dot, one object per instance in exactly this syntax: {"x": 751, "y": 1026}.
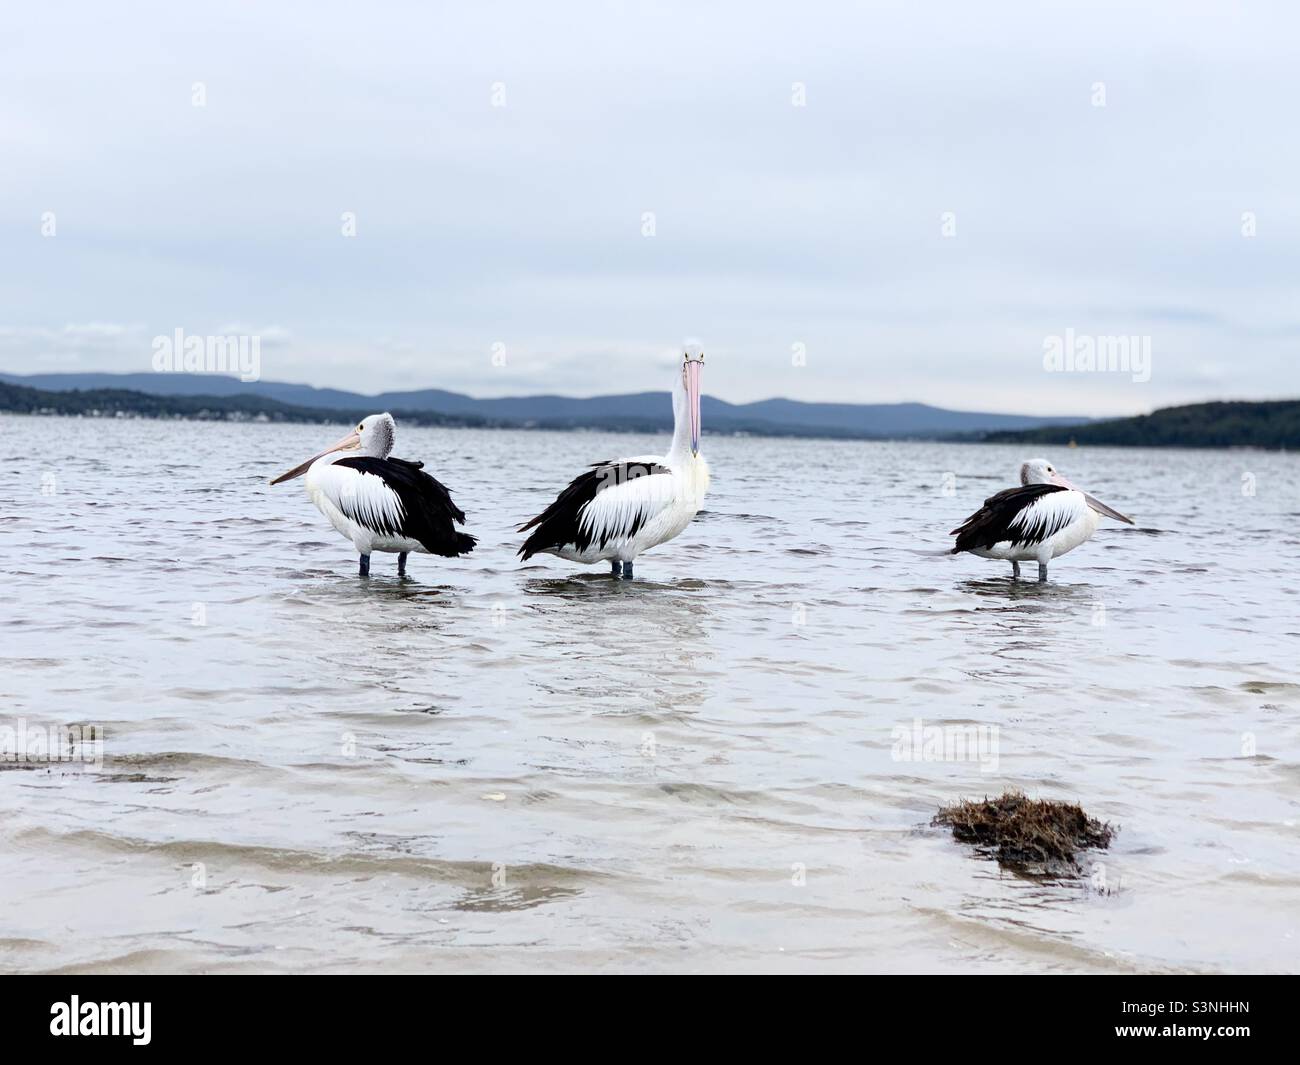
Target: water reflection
{"x": 642, "y": 641}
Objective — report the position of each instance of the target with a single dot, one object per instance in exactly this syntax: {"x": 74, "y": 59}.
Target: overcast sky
{"x": 775, "y": 224}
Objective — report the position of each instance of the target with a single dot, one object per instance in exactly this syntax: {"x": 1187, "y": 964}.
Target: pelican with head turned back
{"x": 382, "y": 503}
{"x": 1041, "y": 520}
{"x": 619, "y": 508}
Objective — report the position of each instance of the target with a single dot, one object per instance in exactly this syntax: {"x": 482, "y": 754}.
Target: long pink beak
{"x": 352, "y": 440}
{"x": 693, "y": 370}
{"x": 1092, "y": 501}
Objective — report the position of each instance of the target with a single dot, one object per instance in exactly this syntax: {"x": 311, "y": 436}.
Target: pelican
{"x": 1039, "y": 521}
{"x": 382, "y": 503}
{"x": 621, "y": 507}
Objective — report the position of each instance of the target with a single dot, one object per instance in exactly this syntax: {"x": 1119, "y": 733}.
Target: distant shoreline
{"x": 1263, "y": 426}
{"x": 155, "y": 392}
{"x": 123, "y": 404}
{"x": 994, "y": 439}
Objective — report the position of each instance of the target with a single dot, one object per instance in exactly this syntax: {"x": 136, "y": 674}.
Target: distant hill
{"x": 123, "y": 403}
{"x": 648, "y": 411}
{"x": 1273, "y": 424}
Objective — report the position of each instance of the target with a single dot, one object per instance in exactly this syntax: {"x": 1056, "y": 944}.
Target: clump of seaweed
{"x": 1035, "y": 837}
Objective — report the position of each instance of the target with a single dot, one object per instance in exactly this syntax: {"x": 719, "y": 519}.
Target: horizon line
{"x": 535, "y": 395}
{"x": 608, "y": 395}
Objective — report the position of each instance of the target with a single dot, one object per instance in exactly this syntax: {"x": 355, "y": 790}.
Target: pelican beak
{"x": 692, "y": 371}
{"x": 1109, "y": 512}
{"x": 1093, "y": 501}
{"x": 348, "y": 443}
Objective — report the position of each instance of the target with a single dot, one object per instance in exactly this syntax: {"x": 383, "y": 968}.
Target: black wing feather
{"x": 991, "y": 524}
{"x": 560, "y": 524}
{"x": 430, "y": 515}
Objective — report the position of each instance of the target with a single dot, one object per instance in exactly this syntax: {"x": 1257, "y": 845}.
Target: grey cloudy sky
{"x": 775, "y": 224}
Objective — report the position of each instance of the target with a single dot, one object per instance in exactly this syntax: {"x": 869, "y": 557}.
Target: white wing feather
{"x": 622, "y": 509}
{"x": 363, "y": 497}
{"x": 1047, "y": 515}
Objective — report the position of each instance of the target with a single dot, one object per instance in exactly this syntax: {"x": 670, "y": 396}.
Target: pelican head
{"x": 692, "y": 368}
{"x": 1040, "y": 471}
{"x": 373, "y": 437}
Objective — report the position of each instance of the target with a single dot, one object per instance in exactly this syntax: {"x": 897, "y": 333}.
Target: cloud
{"x": 948, "y": 195}
{"x": 270, "y": 336}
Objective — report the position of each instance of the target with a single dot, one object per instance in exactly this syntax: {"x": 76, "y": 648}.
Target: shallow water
{"x": 489, "y": 766}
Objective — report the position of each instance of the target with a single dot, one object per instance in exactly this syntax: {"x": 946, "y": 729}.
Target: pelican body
{"x": 382, "y": 503}
{"x": 1043, "y": 519}
{"x": 619, "y": 508}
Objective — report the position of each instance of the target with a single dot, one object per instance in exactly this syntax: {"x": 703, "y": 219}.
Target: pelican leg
{"x": 401, "y": 564}
{"x": 627, "y": 571}
{"x": 1015, "y": 570}
{"x": 1042, "y": 573}
{"x": 365, "y": 566}
{"x": 614, "y": 567}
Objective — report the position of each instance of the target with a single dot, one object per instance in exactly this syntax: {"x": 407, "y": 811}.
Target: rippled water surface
{"x": 489, "y": 766}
